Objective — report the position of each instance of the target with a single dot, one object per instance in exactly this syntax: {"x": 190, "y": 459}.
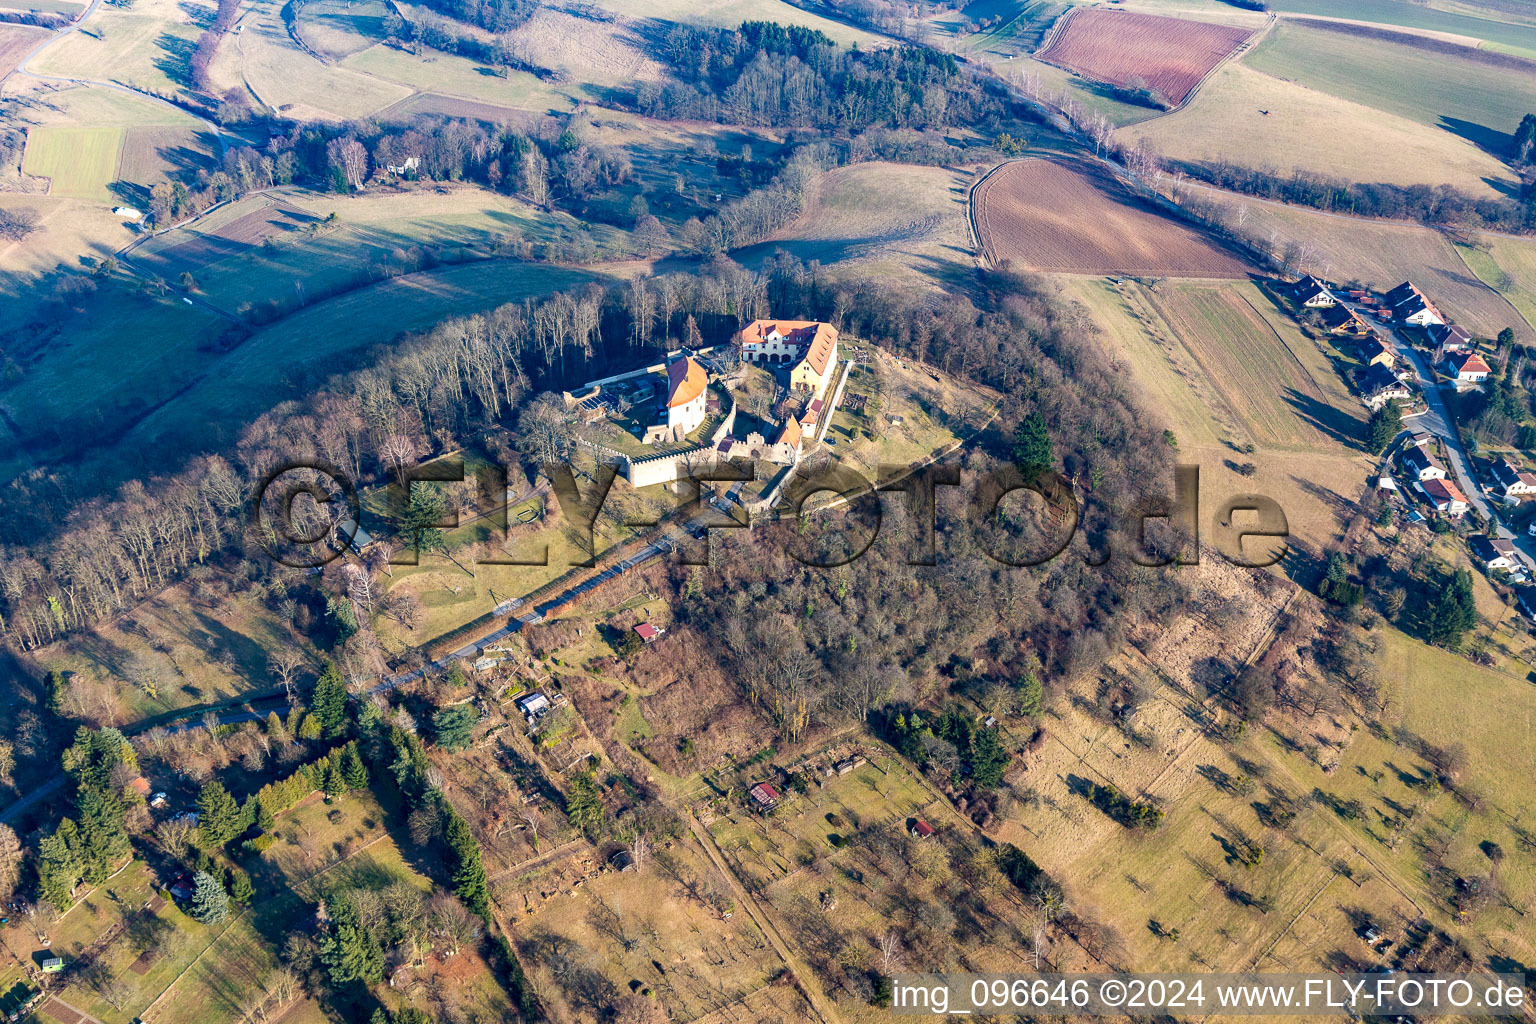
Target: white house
{"x": 1494, "y": 553}
{"x": 1411, "y": 306}
{"x": 1422, "y": 466}
{"x": 1313, "y": 294}
{"x": 1468, "y": 369}
{"x": 1446, "y": 497}
{"x": 1512, "y": 482}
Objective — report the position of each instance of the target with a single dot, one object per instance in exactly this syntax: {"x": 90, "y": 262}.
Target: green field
{"x": 1475, "y": 100}
{"x": 1411, "y": 14}
{"x": 81, "y": 161}
{"x": 126, "y": 353}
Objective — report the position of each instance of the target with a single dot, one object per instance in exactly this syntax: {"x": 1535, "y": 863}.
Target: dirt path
{"x": 809, "y": 983}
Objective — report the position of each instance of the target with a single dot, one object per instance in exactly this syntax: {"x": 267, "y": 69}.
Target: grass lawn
{"x": 1279, "y": 385}
{"x": 300, "y": 351}
{"x": 1383, "y": 254}
{"x": 81, "y": 161}
{"x": 446, "y": 74}
{"x": 171, "y": 653}
{"x": 125, "y": 352}
{"x": 263, "y": 61}
{"x": 1220, "y": 386}
{"x": 902, "y": 223}
{"x": 293, "y": 260}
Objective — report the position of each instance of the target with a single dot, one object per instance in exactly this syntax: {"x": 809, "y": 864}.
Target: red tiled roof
{"x": 1474, "y": 363}
{"x": 922, "y": 828}
{"x": 814, "y": 338}
{"x": 647, "y": 632}
{"x": 1444, "y": 490}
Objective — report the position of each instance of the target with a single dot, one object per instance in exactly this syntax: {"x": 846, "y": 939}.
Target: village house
{"x": 1468, "y": 369}
{"x": 1449, "y": 339}
{"x": 1525, "y": 599}
{"x": 1378, "y": 386}
{"x": 1411, "y": 306}
{"x": 808, "y": 347}
{"x": 1343, "y": 320}
{"x": 686, "y": 403}
{"x": 1373, "y": 352}
{"x": 1421, "y": 465}
{"x": 1494, "y": 553}
{"x": 1310, "y": 293}
{"x": 1446, "y": 497}
{"x": 648, "y": 633}
{"x": 1512, "y": 482}
{"x": 1420, "y": 439}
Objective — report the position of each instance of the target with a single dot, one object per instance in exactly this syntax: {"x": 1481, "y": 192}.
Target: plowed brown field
{"x": 1168, "y": 55}
{"x": 1046, "y": 215}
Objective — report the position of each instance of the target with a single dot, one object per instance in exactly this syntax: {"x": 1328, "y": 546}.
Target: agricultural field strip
{"x": 1171, "y": 56}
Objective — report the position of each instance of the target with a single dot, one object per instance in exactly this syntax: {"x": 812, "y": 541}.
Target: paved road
{"x": 1437, "y": 420}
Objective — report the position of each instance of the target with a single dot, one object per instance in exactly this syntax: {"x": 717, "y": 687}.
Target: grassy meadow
{"x": 147, "y": 45}
{"x": 1461, "y": 94}
{"x": 1516, "y": 35}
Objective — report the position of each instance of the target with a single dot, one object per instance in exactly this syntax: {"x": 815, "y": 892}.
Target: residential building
{"x": 1311, "y": 293}
{"x": 1378, "y": 386}
{"x": 1525, "y": 598}
{"x": 1494, "y": 553}
{"x": 1468, "y": 368}
{"x": 1343, "y": 320}
{"x": 1446, "y": 497}
{"x": 1421, "y": 465}
{"x": 764, "y": 795}
{"x": 807, "y": 346}
{"x": 1374, "y": 352}
{"x": 921, "y": 829}
{"x": 1420, "y": 439}
{"x": 1449, "y": 339}
{"x": 1411, "y": 306}
{"x": 648, "y": 633}
{"x": 1512, "y": 482}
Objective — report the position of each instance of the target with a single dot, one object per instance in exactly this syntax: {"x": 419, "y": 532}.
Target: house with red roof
{"x": 1468, "y": 368}
{"x": 1446, "y": 497}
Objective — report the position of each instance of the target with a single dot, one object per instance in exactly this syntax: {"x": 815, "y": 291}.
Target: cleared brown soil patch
{"x": 16, "y": 41}
{"x": 1046, "y": 215}
{"x": 145, "y": 961}
{"x": 1168, "y": 55}
{"x": 58, "y": 1011}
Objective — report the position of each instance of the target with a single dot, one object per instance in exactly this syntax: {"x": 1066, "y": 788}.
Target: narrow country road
{"x": 1437, "y": 420}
